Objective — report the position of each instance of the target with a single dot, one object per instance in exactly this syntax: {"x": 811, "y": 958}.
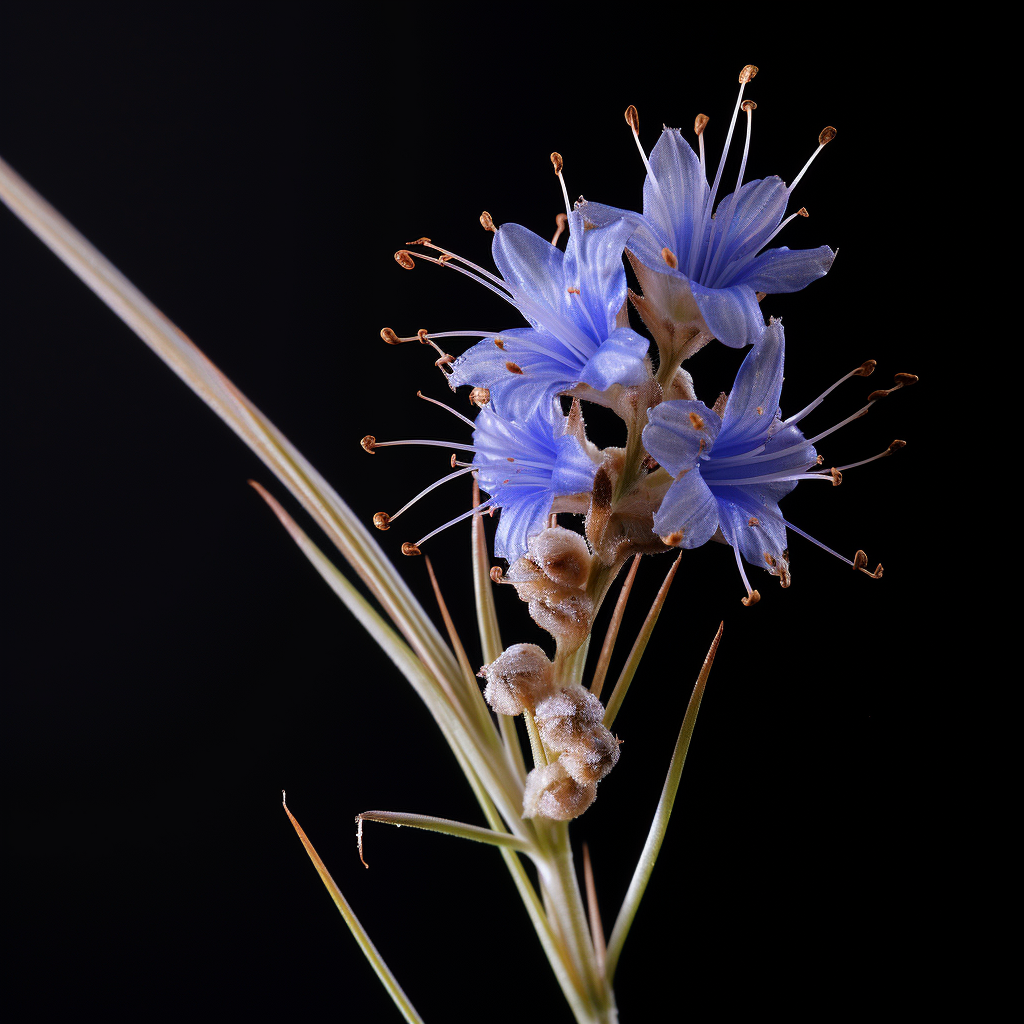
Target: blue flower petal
{"x": 532, "y": 267}
{"x": 683, "y": 188}
{"x": 675, "y": 439}
{"x": 736, "y": 508}
{"x": 787, "y": 270}
{"x": 760, "y": 206}
{"x": 689, "y": 508}
{"x": 732, "y": 314}
{"x": 593, "y": 264}
{"x": 517, "y": 523}
{"x": 574, "y": 469}
{"x": 619, "y": 360}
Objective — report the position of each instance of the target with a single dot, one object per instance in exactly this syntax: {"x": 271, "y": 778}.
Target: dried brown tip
{"x": 404, "y": 260}
{"x": 866, "y": 368}
{"x": 760, "y": 296}
{"x": 556, "y": 162}
{"x": 633, "y": 119}
{"x": 837, "y": 477}
{"x": 749, "y": 105}
{"x": 751, "y": 599}
{"x": 486, "y": 222}
{"x": 669, "y": 257}
{"x": 496, "y": 574}
{"x": 389, "y": 336}
{"x": 700, "y": 123}
{"x": 382, "y": 520}
{"x": 368, "y": 444}
{"x": 897, "y": 445}
{"x": 827, "y": 135}
{"x": 480, "y": 397}
{"x": 748, "y": 72}
{"x": 408, "y": 548}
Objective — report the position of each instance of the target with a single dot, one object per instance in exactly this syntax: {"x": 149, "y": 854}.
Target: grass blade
{"x": 382, "y": 970}
{"x": 642, "y": 874}
{"x": 633, "y": 661}
{"x": 611, "y": 634}
{"x": 445, "y": 825}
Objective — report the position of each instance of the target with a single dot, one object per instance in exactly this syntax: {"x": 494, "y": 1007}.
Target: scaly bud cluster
{"x": 569, "y": 721}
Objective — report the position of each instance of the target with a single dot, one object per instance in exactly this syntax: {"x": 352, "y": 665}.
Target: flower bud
{"x": 567, "y": 616}
{"x": 593, "y": 757}
{"x": 518, "y": 679}
{"x": 566, "y": 716}
{"x": 562, "y": 556}
{"x": 552, "y": 793}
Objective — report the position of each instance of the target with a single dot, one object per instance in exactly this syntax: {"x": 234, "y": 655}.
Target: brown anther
{"x": 827, "y": 135}
{"x": 561, "y": 222}
{"x": 573, "y": 291}
{"x": 513, "y": 368}
{"x": 487, "y": 223}
{"x": 408, "y": 548}
{"x": 508, "y": 458}
{"x": 422, "y": 335}
{"x": 897, "y": 445}
{"x": 496, "y": 574}
{"x": 903, "y": 380}
{"x": 702, "y": 445}
{"x": 404, "y": 260}
{"x": 454, "y": 461}
{"x": 480, "y": 397}
{"x": 382, "y": 520}
{"x": 499, "y": 343}
{"x": 368, "y": 444}
{"x": 906, "y": 379}
{"x": 760, "y": 295}
{"x": 673, "y": 538}
{"x": 419, "y": 241}
{"x": 670, "y": 258}
{"x": 700, "y": 123}
{"x": 445, "y": 359}
{"x": 390, "y": 337}
{"x": 748, "y": 106}
{"x": 754, "y": 521}
{"x": 860, "y": 559}
{"x": 760, "y": 410}
{"x": 633, "y": 119}
{"x": 751, "y": 599}
{"x": 866, "y": 368}
{"x": 837, "y": 477}
{"x": 556, "y": 162}
{"x": 769, "y": 559}
{"x": 748, "y": 72}
{"x": 802, "y": 212}
{"x": 696, "y": 422}
{"x": 820, "y": 459}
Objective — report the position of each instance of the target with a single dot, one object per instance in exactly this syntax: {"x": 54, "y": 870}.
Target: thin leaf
{"x": 593, "y": 910}
{"x": 189, "y": 363}
{"x": 633, "y": 661}
{"x": 382, "y": 970}
{"x": 445, "y": 825}
{"x": 642, "y": 874}
{"x": 611, "y": 634}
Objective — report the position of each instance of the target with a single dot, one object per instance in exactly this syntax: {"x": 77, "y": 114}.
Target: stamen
{"x": 489, "y": 503}
{"x": 497, "y": 576}
{"x": 752, "y": 595}
{"x": 826, "y": 136}
{"x": 633, "y": 120}
{"x": 556, "y": 162}
{"x": 448, "y": 408}
{"x": 802, "y": 212}
{"x": 894, "y": 447}
{"x": 383, "y": 521}
{"x": 370, "y": 443}
{"x": 903, "y": 380}
{"x": 404, "y": 259}
{"x": 561, "y": 223}
{"x": 410, "y": 549}
{"x": 487, "y": 223}
{"x": 864, "y": 370}
{"x": 699, "y": 124}
{"x": 669, "y": 257}
{"x": 859, "y": 559}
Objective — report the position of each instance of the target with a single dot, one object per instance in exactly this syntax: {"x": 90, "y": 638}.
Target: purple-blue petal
{"x": 675, "y": 439}
{"x": 675, "y": 204}
{"x": 732, "y": 314}
{"x": 787, "y": 270}
{"x": 689, "y": 508}
{"x": 754, "y": 399}
{"x": 618, "y": 360}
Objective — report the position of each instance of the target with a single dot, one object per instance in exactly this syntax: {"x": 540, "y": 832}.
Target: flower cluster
{"x": 688, "y": 473}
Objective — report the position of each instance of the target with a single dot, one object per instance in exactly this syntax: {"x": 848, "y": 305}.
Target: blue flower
{"x": 703, "y": 266}
{"x": 530, "y": 467}
{"x": 575, "y": 305}
{"x": 731, "y": 471}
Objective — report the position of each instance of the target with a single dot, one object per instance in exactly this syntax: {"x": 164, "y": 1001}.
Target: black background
{"x": 175, "y": 662}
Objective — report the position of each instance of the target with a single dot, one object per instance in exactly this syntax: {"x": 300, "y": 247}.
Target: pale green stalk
{"x": 447, "y": 827}
{"x": 656, "y": 836}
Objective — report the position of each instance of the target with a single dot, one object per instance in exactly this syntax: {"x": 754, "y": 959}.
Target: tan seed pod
{"x": 562, "y": 555}
{"x": 518, "y": 679}
{"x": 593, "y": 757}
{"x": 566, "y": 716}
{"x": 552, "y": 793}
{"x": 566, "y": 614}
